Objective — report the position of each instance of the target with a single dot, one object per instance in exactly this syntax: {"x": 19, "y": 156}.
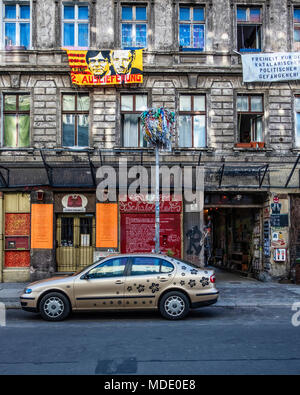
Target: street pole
{"x": 157, "y": 244}
{"x": 158, "y": 126}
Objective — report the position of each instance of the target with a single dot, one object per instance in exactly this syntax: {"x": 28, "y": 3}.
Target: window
{"x": 75, "y": 120}
{"x": 17, "y": 25}
{"x": 142, "y": 266}
{"x": 75, "y": 25}
{"x": 166, "y": 267}
{"x": 192, "y": 121}
{"x": 191, "y": 28}
{"x": 86, "y": 231}
{"x": 248, "y": 29}
{"x": 67, "y": 232}
{"x": 134, "y": 27}
{"x": 16, "y": 121}
{"x": 112, "y": 268}
{"x": 297, "y": 111}
{"x": 131, "y": 108}
{"x": 296, "y": 29}
{"x": 250, "y": 116}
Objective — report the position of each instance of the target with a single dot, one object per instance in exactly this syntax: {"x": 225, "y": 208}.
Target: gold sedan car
{"x": 133, "y": 281}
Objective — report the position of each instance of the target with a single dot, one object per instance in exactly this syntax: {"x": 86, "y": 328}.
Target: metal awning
{"x": 46, "y": 173}
{"x": 243, "y": 171}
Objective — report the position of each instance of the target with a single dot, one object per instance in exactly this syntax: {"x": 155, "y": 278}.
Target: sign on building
{"x": 111, "y": 67}
{"x": 270, "y": 67}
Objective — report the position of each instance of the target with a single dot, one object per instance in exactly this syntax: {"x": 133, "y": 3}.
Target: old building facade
{"x": 55, "y": 135}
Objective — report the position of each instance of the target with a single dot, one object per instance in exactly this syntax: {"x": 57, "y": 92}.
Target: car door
{"x": 104, "y": 286}
{"x": 145, "y": 281}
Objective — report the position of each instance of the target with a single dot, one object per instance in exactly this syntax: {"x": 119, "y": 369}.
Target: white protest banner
{"x": 269, "y": 67}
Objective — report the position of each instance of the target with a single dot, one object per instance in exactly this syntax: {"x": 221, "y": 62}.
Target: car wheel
{"x": 54, "y": 307}
{"x": 174, "y": 305}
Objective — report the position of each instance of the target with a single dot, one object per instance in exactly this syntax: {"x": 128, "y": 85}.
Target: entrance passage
{"x": 138, "y": 232}
{"x": 75, "y": 242}
{"x": 235, "y": 238}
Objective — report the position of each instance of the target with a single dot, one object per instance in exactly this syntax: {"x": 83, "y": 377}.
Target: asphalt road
{"x": 211, "y": 340}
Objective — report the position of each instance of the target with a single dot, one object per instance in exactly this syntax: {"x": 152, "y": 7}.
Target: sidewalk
{"x": 238, "y": 291}
{"x": 235, "y": 291}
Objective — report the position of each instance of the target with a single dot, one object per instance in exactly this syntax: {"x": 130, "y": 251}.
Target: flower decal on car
{"x": 182, "y": 282}
{"x": 204, "y": 281}
{"x": 129, "y": 289}
{"x": 154, "y": 288}
{"x": 192, "y": 283}
{"x": 194, "y": 271}
{"x": 141, "y": 288}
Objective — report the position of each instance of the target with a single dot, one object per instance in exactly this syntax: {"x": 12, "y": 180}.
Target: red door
{"x": 138, "y": 232}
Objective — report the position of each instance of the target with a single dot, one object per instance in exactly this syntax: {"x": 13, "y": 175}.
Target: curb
{"x": 254, "y": 305}
{"x": 13, "y": 304}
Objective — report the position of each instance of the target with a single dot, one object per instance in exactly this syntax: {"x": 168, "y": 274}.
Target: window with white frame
{"x": 16, "y": 120}
{"x": 250, "y": 113}
{"x": 192, "y": 125}
{"x": 131, "y": 108}
{"x": 191, "y": 28}
{"x": 75, "y": 120}
{"x": 249, "y": 29}
{"x": 16, "y": 19}
{"x": 134, "y": 27}
{"x": 297, "y": 121}
{"x": 75, "y": 25}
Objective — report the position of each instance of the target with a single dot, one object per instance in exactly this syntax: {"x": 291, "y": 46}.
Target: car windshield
{"x": 86, "y": 267}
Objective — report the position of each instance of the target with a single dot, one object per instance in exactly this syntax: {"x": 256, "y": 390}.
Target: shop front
{"x": 16, "y": 230}
{"x": 235, "y": 231}
{"x": 75, "y": 230}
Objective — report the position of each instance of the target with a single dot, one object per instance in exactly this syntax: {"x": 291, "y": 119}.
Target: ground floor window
{"x": 75, "y": 241}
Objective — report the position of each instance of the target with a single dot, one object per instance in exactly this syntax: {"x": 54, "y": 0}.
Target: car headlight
{"x": 28, "y": 290}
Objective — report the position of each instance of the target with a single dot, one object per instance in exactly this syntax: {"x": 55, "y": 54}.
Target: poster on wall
{"x": 42, "y": 226}
{"x": 270, "y": 67}
{"x": 110, "y": 67}
{"x": 107, "y": 225}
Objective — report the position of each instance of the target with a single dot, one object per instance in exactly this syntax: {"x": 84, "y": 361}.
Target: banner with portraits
{"x": 107, "y": 67}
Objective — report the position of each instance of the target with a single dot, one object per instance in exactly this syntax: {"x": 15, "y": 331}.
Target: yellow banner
{"x": 111, "y": 67}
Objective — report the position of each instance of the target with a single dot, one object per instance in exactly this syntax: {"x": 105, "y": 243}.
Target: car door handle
{"x": 162, "y": 279}
{"x": 119, "y": 282}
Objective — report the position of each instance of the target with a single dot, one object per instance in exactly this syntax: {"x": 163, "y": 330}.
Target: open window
{"x": 248, "y": 29}
{"x": 250, "y": 120}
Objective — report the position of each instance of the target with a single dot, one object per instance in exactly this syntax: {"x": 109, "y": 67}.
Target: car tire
{"x": 54, "y": 307}
{"x": 174, "y": 305}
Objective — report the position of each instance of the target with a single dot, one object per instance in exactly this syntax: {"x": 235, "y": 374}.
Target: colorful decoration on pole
{"x": 159, "y": 126}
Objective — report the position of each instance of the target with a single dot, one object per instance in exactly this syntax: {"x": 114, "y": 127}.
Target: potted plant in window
{"x": 243, "y": 145}
{"x": 257, "y": 144}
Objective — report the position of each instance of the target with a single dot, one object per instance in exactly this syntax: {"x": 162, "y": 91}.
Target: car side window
{"x": 166, "y": 267}
{"x": 111, "y": 268}
{"x": 145, "y": 265}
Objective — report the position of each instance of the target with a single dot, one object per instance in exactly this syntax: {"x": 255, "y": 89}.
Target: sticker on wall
{"x": 280, "y": 254}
